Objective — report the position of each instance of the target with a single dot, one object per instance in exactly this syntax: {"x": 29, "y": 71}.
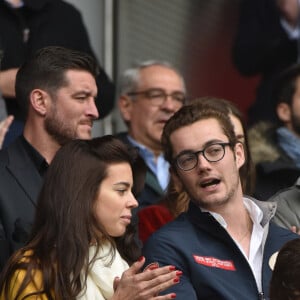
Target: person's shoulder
{"x": 5, "y": 154}
{"x": 64, "y": 7}
{"x": 289, "y": 194}
{"x": 18, "y": 278}
{"x": 14, "y": 148}
{"x": 280, "y": 234}
{"x": 175, "y": 229}
{"x": 123, "y": 136}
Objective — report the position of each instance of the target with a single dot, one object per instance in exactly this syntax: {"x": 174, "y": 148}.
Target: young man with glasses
{"x": 150, "y": 94}
{"x": 224, "y": 242}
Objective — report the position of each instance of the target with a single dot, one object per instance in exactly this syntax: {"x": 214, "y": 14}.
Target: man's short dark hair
{"x": 46, "y": 70}
{"x": 285, "y": 85}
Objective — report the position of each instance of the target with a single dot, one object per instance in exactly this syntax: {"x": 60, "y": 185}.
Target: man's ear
{"x": 239, "y": 154}
{"x": 125, "y": 107}
{"x": 283, "y": 112}
{"x": 39, "y": 100}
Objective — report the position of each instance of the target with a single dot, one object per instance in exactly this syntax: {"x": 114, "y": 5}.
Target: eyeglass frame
{"x": 165, "y": 95}
{"x": 196, "y": 155}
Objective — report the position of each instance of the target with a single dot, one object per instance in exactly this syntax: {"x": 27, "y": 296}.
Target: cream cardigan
{"x": 102, "y": 274}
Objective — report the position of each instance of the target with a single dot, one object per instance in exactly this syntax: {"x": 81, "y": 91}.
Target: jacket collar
{"x": 22, "y": 169}
{"x": 201, "y": 218}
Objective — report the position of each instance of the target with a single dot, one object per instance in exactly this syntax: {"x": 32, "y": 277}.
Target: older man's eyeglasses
{"x": 188, "y": 160}
{"x": 157, "y": 97}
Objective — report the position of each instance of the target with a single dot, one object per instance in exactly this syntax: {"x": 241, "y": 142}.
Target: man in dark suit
{"x": 56, "y": 88}
{"x": 267, "y": 42}
{"x": 150, "y": 93}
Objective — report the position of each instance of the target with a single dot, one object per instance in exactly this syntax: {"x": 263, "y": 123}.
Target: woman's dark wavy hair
{"x": 285, "y": 282}
{"x": 65, "y": 222}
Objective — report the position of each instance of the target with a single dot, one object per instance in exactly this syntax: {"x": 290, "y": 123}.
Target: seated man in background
{"x": 288, "y": 207}
{"x": 57, "y": 90}
{"x": 275, "y": 148}
{"x": 150, "y": 94}
{"x": 223, "y": 243}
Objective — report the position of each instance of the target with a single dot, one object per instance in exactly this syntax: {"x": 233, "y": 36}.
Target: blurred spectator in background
{"x": 288, "y": 207}
{"x": 267, "y": 42}
{"x": 149, "y": 95}
{"x": 28, "y": 25}
{"x": 285, "y": 282}
{"x": 275, "y": 147}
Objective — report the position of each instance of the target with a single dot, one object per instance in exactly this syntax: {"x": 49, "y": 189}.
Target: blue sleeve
{"x": 159, "y": 249}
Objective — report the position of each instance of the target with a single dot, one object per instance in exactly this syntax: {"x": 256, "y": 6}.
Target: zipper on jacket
{"x": 261, "y": 296}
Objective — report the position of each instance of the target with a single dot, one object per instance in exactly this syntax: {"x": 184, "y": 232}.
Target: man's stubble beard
{"x": 58, "y": 129}
{"x": 209, "y": 205}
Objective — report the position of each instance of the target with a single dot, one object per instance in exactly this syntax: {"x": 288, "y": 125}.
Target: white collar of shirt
{"x": 256, "y": 244}
{"x": 293, "y": 33}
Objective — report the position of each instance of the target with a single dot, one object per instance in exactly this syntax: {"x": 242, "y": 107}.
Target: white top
{"x": 102, "y": 274}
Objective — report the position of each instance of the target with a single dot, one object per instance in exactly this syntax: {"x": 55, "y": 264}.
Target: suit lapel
{"x": 25, "y": 173}
{"x": 153, "y": 183}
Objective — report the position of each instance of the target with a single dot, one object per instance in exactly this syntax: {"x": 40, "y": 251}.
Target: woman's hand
{"x": 295, "y": 229}
{"x": 137, "y": 285}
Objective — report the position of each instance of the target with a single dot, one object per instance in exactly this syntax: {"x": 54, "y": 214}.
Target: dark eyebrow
{"x": 86, "y": 93}
{"x": 127, "y": 184}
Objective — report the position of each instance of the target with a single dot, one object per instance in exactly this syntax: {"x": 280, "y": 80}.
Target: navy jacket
{"x": 213, "y": 266}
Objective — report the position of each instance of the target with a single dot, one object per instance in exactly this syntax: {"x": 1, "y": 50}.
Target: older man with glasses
{"x": 224, "y": 242}
{"x": 150, "y": 94}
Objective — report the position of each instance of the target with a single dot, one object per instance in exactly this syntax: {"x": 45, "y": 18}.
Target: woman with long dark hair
{"x": 80, "y": 237}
